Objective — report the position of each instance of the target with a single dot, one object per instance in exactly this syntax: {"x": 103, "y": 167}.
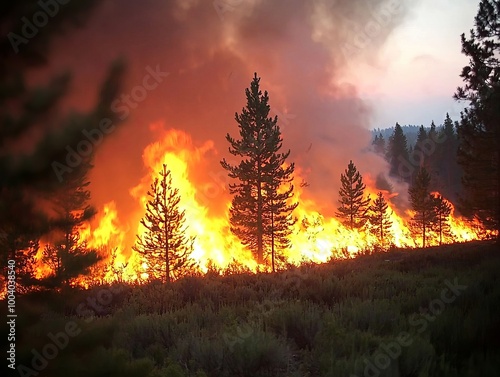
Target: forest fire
{"x": 316, "y": 237}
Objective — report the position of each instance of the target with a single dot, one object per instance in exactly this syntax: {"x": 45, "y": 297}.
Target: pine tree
{"x": 421, "y": 138}
{"x": 445, "y": 161}
{"x": 442, "y": 209}
{"x": 397, "y": 151}
{"x": 164, "y": 245}
{"x": 478, "y": 132}
{"x": 27, "y": 175}
{"x": 423, "y": 204}
{"x": 277, "y": 212}
{"x": 380, "y": 219}
{"x": 353, "y": 207}
{"x": 67, "y": 256}
{"x": 260, "y": 213}
{"x": 379, "y": 144}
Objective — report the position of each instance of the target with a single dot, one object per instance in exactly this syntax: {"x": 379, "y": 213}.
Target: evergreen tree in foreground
{"x": 261, "y": 212}
{"x": 423, "y": 204}
{"x": 164, "y": 245}
{"x": 69, "y": 257}
{"x": 479, "y": 129}
{"x": 353, "y": 207}
{"x": 380, "y": 219}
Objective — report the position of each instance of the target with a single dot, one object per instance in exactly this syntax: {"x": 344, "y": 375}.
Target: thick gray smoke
{"x": 210, "y": 50}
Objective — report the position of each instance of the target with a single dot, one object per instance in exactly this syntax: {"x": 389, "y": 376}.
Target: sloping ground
{"x": 432, "y": 312}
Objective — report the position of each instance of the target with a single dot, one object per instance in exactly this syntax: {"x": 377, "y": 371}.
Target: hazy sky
{"x": 419, "y": 66}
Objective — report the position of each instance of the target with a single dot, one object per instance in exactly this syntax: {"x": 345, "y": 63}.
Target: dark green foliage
{"x": 353, "y": 206}
{"x": 165, "y": 246}
{"x": 67, "y": 256}
{"x": 397, "y": 151}
{"x": 379, "y": 144}
{"x": 380, "y": 219}
{"x": 442, "y": 209}
{"x": 261, "y": 212}
{"x": 313, "y": 320}
{"x": 479, "y": 129}
{"x": 422, "y": 203}
{"x": 27, "y": 177}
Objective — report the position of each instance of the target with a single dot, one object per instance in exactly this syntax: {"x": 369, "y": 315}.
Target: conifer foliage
{"x": 261, "y": 209}
{"x": 479, "y": 129}
{"x": 165, "y": 246}
{"x": 380, "y": 219}
{"x": 353, "y": 206}
{"x": 423, "y": 204}
{"x": 442, "y": 209}
{"x": 69, "y": 257}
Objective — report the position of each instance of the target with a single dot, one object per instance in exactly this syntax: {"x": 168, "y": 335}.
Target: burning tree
{"x": 165, "y": 246}
{"x": 442, "y": 208}
{"x": 423, "y": 204}
{"x": 478, "y": 132}
{"x": 380, "y": 218}
{"x": 353, "y": 207}
{"x": 260, "y": 213}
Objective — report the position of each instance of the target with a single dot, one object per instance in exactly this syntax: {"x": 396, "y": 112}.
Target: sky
{"x": 418, "y": 68}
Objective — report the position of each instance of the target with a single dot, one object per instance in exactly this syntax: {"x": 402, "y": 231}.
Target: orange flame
{"x": 316, "y": 237}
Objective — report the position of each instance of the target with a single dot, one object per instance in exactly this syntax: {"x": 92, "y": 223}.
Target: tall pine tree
{"x": 423, "y": 204}
{"x": 261, "y": 212}
{"x": 380, "y": 219}
{"x": 164, "y": 245}
{"x": 27, "y": 177}
{"x": 68, "y": 256}
{"x": 442, "y": 209}
{"x": 353, "y": 206}
{"x": 397, "y": 153}
{"x": 479, "y": 129}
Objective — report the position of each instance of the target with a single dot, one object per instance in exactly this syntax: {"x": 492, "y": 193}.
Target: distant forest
{"x": 407, "y": 148}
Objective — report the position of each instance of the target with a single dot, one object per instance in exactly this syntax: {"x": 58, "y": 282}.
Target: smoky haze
{"x": 210, "y": 50}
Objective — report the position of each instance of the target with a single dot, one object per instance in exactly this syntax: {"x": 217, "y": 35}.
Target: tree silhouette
{"x": 26, "y": 174}
{"x": 479, "y": 129}
{"x": 379, "y": 144}
{"x": 164, "y": 245}
{"x": 380, "y": 219}
{"x": 442, "y": 209}
{"x": 261, "y": 212}
{"x": 68, "y": 256}
{"x": 397, "y": 151}
{"x": 423, "y": 204}
{"x": 353, "y": 207}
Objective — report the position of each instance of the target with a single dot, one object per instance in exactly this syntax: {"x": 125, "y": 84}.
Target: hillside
{"x": 432, "y": 312}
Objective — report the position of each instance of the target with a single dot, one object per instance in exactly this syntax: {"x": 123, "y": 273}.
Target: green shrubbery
{"x": 336, "y": 319}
